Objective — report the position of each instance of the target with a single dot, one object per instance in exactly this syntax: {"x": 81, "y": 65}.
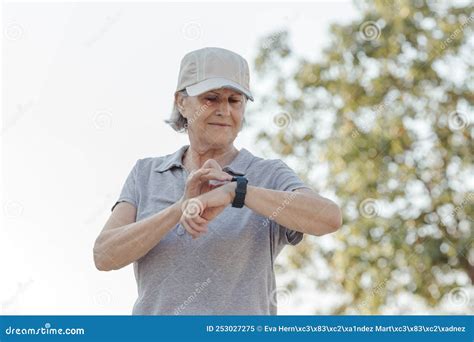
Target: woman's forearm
{"x": 304, "y": 212}
{"x": 118, "y": 247}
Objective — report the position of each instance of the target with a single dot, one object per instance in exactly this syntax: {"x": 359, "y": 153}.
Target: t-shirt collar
{"x": 238, "y": 166}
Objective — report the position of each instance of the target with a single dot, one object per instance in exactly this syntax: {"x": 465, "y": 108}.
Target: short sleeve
{"x": 285, "y": 179}
{"x": 129, "y": 189}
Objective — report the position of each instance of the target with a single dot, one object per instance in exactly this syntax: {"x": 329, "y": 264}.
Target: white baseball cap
{"x": 213, "y": 68}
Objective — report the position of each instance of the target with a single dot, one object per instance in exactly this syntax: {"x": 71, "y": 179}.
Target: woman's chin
{"x": 219, "y": 141}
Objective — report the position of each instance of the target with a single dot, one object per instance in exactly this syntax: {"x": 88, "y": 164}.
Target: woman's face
{"x": 215, "y": 117}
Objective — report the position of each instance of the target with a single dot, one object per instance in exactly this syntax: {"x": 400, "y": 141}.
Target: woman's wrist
{"x": 230, "y": 187}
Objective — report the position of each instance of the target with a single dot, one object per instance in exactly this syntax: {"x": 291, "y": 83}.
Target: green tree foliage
{"x": 387, "y": 108}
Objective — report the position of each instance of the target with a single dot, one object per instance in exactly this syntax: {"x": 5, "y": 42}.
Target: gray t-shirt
{"x": 229, "y": 270}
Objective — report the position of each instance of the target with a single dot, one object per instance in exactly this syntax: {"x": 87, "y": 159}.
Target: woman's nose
{"x": 224, "y": 108}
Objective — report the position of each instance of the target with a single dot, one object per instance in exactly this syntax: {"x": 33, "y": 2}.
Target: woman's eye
{"x": 234, "y": 100}
{"x": 211, "y": 98}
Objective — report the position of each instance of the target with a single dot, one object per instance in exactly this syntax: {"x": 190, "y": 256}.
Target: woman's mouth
{"x": 219, "y": 125}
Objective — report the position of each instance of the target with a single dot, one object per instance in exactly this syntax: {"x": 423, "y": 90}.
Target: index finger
{"x": 211, "y": 163}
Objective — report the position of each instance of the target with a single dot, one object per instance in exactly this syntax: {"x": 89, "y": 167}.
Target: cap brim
{"x": 216, "y": 83}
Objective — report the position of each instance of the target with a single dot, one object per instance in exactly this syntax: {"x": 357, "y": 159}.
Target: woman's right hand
{"x": 198, "y": 180}
{"x": 197, "y": 183}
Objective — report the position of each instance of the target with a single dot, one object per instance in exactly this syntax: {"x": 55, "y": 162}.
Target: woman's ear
{"x": 179, "y": 100}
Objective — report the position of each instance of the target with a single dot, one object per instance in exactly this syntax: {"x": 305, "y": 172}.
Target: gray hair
{"x": 178, "y": 122}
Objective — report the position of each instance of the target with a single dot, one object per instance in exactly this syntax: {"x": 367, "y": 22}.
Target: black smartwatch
{"x": 240, "y": 191}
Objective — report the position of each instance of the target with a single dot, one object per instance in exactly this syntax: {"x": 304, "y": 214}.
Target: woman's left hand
{"x": 199, "y": 211}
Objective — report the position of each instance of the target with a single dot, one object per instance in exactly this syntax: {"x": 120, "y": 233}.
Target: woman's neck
{"x": 194, "y": 158}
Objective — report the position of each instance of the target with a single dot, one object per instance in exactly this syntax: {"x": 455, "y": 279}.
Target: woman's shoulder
{"x": 161, "y": 163}
{"x": 267, "y": 164}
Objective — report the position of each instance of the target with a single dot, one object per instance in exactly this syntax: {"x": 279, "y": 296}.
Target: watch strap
{"x": 240, "y": 191}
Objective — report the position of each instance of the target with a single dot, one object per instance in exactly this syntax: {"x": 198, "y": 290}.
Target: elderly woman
{"x": 203, "y": 225}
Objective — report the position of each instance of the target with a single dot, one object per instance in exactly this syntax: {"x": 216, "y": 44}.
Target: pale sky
{"x": 86, "y": 88}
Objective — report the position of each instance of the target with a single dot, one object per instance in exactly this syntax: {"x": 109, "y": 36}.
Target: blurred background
{"x": 371, "y": 102}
